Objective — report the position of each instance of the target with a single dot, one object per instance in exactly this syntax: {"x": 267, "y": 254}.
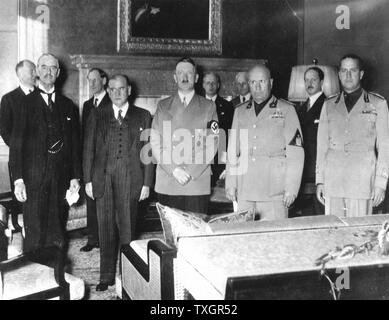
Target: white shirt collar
{"x": 247, "y": 97}
{"x": 188, "y": 97}
{"x": 26, "y": 89}
{"x": 124, "y": 109}
{"x": 99, "y": 97}
{"x": 45, "y": 96}
{"x": 211, "y": 98}
{"x": 313, "y": 98}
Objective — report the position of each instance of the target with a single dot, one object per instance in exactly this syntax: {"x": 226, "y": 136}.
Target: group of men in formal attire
{"x": 330, "y": 153}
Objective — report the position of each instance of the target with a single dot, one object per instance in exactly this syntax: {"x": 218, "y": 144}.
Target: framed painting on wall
{"x": 170, "y": 26}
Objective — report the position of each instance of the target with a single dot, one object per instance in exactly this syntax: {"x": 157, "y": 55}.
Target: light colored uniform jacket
{"x": 200, "y": 145}
{"x": 265, "y": 153}
{"x": 347, "y": 144}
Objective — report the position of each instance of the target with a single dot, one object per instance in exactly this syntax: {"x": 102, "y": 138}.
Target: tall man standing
{"x": 45, "y": 158}
{"x": 113, "y": 171}
{"x": 98, "y": 80}
{"x": 10, "y": 110}
{"x": 353, "y": 128}
{"x": 184, "y": 143}
{"x": 225, "y": 113}
{"x": 265, "y": 151}
{"x": 11, "y": 102}
{"x": 243, "y": 89}
{"x": 309, "y": 114}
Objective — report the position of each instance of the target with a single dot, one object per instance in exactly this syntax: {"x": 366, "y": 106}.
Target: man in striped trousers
{"x": 114, "y": 173}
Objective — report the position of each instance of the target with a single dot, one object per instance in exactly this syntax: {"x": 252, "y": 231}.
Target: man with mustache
{"x": 184, "y": 142}
{"x": 45, "y": 158}
{"x": 309, "y": 114}
{"x": 352, "y": 165}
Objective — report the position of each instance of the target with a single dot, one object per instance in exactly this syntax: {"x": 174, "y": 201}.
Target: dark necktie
{"x": 49, "y": 101}
{"x": 95, "y": 102}
{"x": 120, "y": 118}
{"x": 243, "y": 99}
{"x": 308, "y": 104}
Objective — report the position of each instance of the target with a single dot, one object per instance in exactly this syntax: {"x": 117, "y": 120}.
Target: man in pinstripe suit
{"x": 114, "y": 173}
{"x": 45, "y": 158}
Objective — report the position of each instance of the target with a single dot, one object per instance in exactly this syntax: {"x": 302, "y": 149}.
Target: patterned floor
{"x": 85, "y": 265}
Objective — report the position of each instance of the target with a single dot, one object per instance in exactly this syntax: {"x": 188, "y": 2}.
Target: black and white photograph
{"x": 162, "y": 151}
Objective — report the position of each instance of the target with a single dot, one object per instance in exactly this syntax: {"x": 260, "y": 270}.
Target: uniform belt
{"x": 352, "y": 147}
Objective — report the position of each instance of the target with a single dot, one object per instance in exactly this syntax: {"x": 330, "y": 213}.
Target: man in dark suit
{"x": 45, "y": 158}
{"x": 114, "y": 172}
{"x": 242, "y": 88}
{"x": 98, "y": 81}
{"x": 225, "y": 114}
{"x": 309, "y": 115}
{"x": 25, "y": 70}
{"x": 9, "y": 111}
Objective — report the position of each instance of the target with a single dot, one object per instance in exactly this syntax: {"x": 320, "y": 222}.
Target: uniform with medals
{"x": 265, "y": 156}
{"x": 352, "y": 151}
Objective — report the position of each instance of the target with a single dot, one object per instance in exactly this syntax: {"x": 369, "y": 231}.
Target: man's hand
{"x": 231, "y": 194}
{"x": 222, "y": 175}
{"x": 181, "y": 176}
{"x": 320, "y": 193}
{"x": 89, "y": 190}
{"x": 288, "y": 199}
{"x": 20, "y": 192}
{"x": 378, "y": 196}
{"x": 144, "y": 194}
{"x": 74, "y": 185}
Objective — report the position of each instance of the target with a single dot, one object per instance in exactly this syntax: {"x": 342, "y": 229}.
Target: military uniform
{"x": 170, "y": 127}
{"x": 347, "y": 145}
{"x": 265, "y": 157}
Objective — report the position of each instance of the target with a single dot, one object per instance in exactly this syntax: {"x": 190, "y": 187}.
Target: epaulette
{"x": 377, "y": 95}
{"x": 333, "y": 96}
{"x": 286, "y": 101}
{"x": 245, "y": 103}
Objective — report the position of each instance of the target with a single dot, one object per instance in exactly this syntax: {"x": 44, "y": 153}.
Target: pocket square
{"x": 316, "y": 121}
{"x": 68, "y": 118}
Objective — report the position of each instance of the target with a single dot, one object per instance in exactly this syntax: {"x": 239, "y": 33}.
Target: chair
{"x": 26, "y": 277}
{"x": 147, "y": 268}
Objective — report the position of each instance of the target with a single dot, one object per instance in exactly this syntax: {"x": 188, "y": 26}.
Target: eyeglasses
{"x": 45, "y": 68}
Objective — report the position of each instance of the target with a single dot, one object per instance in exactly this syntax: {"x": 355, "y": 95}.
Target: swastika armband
{"x": 214, "y": 126}
{"x": 297, "y": 139}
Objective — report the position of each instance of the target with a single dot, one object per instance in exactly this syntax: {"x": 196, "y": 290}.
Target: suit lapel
{"x": 341, "y": 106}
{"x": 266, "y": 111}
{"x": 359, "y": 106}
{"x": 312, "y": 113}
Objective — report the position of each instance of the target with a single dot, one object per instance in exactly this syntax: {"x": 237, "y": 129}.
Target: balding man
{"x": 265, "y": 151}
{"x": 242, "y": 88}
{"x": 113, "y": 171}
{"x": 45, "y": 158}
{"x": 225, "y": 113}
{"x": 11, "y": 102}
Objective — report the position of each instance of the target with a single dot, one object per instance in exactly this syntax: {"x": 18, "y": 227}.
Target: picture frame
{"x": 190, "y": 27}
